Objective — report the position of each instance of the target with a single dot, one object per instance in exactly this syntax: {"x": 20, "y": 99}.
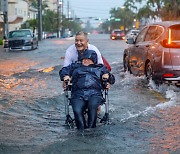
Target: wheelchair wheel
{"x": 69, "y": 121}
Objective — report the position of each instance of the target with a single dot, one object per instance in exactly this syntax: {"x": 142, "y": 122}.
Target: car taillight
{"x": 169, "y": 36}
{"x": 168, "y": 75}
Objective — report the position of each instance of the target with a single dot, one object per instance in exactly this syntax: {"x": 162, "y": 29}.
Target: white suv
{"x": 132, "y": 34}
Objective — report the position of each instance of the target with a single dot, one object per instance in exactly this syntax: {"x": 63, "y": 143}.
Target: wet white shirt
{"x": 71, "y": 55}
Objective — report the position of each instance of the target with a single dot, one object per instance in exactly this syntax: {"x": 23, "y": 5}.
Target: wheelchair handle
{"x": 105, "y": 81}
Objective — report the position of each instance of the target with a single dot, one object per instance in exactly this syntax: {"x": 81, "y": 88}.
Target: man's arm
{"x": 67, "y": 59}
{"x": 70, "y": 56}
{"x": 64, "y": 74}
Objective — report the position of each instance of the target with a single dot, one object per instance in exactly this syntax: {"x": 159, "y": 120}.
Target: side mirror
{"x": 130, "y": 40}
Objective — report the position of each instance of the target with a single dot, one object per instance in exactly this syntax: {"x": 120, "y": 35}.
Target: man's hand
{"x": 66, "y": 78}
{"x": 66, "y": 81}
{"x": 105, "y": 76}
{"x": 107, "y": 86}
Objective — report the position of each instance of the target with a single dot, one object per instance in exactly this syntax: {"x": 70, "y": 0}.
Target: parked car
{"x": 50, "y": 36}
{"x": 155, "y": 53}
{"x": 23, "y": 39}
{"x": 132, "y": 34}
{"x": 117, "y": 34}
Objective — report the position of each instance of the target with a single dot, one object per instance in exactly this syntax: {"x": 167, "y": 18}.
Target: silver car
{"x": 155, "y": 52}
{"x": 132, "y": 34}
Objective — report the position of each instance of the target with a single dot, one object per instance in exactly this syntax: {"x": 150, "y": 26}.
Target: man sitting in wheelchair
{"x": 87, "y": 78}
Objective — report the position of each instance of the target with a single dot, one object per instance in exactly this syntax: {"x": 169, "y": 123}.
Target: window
{"x": 16, "y": 11}
{"x": 175, "y": 33}
{"x": 153, "y": 33}
{"x": 19, "y": 33}
{"x": 141, "y": 35}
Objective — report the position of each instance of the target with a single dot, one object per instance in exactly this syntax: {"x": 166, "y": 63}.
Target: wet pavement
{"x": 144, "y": 118}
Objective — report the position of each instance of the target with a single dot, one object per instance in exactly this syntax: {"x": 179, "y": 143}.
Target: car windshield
{"x": 118, "y": 32}
{"x": 135, "y": 32}
{"x": 19, "y": 33}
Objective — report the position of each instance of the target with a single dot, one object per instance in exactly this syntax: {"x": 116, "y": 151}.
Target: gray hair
{"x": 81, "y": 33}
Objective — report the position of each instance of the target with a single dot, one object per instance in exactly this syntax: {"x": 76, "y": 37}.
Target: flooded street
{"x": 144, "y": 118}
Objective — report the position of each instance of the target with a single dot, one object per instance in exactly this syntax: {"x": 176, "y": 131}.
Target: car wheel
{"x": 37, "y": 45}
{"x": 148, "y": 71}
{"x": 32, "y": 47}
{"x": 126, "y": 64}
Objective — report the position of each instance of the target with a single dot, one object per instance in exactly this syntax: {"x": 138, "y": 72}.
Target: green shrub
{"x": 1, "y": 41}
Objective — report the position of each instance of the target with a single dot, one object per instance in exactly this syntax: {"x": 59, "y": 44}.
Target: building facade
{"x": 18, "y": 11}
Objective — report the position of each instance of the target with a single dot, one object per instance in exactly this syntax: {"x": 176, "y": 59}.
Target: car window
{"x": 20, "y": 33}
{"x": 175, "y": 33}
{"x": 141, "y": 35}
{"x": 118, "y": 32}
{"x": 153, "y": 33}
{"x": 135, "y": 32}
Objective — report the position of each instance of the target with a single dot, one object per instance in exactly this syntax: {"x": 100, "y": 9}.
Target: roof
{"x": 13, "y": 19}
{"x": 166, "y": 23}
{"x": 21, "y": 30}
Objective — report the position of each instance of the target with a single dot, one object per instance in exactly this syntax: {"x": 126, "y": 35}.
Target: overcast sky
{"x": 92, "y": 8}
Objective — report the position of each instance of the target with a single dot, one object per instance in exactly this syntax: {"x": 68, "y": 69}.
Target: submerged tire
{"x": 126, "y": 64}
{"x": 148, "y": 71}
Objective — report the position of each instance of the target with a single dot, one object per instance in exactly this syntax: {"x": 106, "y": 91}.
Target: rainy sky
{"x": 92, "y": 8}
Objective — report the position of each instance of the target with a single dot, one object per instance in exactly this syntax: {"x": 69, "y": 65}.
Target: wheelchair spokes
{"x": 69, "y": 121}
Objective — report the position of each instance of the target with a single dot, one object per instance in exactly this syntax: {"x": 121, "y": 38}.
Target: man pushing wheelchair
{"x": 88, "y": 80}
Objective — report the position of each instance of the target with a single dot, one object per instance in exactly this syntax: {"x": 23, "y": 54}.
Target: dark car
{"x": 117, "y": 34}
{"x": 23, "y": 39}
{"x": 155, "y": 52}
{"x": 50, "y": 36}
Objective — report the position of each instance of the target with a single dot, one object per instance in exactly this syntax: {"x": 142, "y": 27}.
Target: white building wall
{"x": 20, "y": 8}
{"x": 52, "y": 5}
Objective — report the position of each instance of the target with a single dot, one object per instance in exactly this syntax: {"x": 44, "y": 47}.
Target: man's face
{"x": 87, "y": 62}
{"x": 81, "y": 42}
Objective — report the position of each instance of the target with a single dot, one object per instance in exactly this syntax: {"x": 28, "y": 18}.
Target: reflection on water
{"x": 144, "y": 119}
{"x": 12, "y": 66}
{"x": 166, "y": 130}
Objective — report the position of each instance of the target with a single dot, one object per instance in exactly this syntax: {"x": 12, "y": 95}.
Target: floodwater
{"x": 144, "y": 118}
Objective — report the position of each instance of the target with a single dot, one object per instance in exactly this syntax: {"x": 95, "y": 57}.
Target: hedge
{"x": 1, "y": 41}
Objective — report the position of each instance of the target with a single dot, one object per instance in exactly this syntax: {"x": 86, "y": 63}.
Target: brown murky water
{"x": 144, "y": 118}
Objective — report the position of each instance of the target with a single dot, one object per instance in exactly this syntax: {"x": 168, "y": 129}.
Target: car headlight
{"x": 28, "y": 42}
{"x": 5, "y": 42}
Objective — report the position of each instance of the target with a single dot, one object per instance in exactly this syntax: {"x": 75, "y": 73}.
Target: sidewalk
{"x": 1, "y": 48}
{"x": 3, "y": 54}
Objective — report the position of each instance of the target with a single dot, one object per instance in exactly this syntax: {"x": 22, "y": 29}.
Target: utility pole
{"x": 68, "y": 10}
{"x": 58, "y": 16}
{"x": 62, "y": 4}
{"x": 39, "y": 20}
{"x": 4, "y": 9}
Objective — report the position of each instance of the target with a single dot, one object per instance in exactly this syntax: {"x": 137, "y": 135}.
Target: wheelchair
{"x": 70, "y": 121}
